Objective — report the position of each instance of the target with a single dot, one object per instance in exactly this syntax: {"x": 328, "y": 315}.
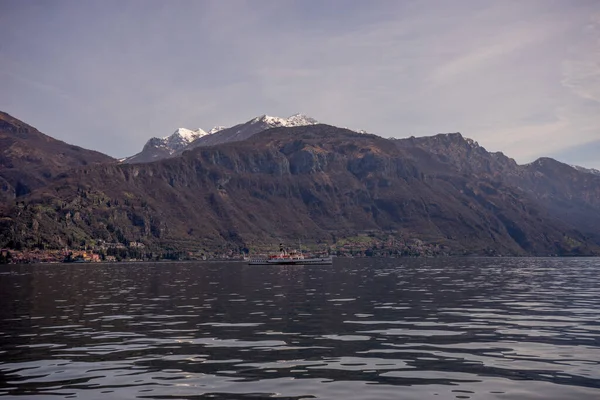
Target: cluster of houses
{"x": 362, "y": 246}
{"x": 97, "y": 254}
{"x": 47, "y": 256}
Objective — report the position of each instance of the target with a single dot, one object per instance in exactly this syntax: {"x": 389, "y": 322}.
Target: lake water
{"x": 360, "y": 329}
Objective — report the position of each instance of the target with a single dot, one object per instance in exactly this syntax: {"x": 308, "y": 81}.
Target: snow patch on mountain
{"x": 276, "y": 122}
{"x": 181, "y": 138}
{"x": 301, "y": 120}
{"x": 247, "y": 129}
{"x": 586, "y": 170}
{"x": 159, "y": 148}
{"x": 186, "y": 134}
{"x": 216, "y": 129}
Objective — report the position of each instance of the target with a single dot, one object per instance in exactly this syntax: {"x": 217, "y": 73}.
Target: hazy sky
{"x": 522, "y": 77}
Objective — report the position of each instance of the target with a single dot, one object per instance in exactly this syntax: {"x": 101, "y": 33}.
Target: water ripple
{"x": 362, "y": 329}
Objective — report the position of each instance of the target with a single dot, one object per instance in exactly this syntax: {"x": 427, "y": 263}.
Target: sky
{"x": 521, "y": 77}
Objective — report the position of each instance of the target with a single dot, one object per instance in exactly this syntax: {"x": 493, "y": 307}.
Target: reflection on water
{"x": 360, "y": 329}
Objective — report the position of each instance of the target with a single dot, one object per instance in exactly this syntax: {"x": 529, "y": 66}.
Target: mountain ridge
{"x": 319, "y": 183}
{"x": 29, "y": 159}
{"x": 157, "y": 149}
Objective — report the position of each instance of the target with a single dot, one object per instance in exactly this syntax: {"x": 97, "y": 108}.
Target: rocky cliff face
{"x": 311, "y": 182}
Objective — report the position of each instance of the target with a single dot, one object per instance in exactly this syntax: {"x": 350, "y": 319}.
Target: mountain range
{"x": 184, "y": 139}
{"x": 271, "y": 179}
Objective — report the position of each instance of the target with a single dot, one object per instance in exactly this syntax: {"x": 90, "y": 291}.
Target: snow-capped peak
{"x": 300, "y": 120}
{"x": 187, "y": 134}
{"x": 294, "y": 120}
{"x": 178, "y": 139}
{"x": 216, "y": 129}
{"x": 267, "y": 119}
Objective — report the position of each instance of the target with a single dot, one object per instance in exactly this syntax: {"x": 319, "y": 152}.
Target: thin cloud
{"x": 488, "y": 52}
{"x": 582, "y": 77}
{"x": 517, "y": 77}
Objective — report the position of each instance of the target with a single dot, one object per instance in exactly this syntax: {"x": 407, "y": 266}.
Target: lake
{"x": 464, "y": 328}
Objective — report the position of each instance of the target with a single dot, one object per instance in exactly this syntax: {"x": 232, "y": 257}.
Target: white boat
{"x": 292, "y": 257}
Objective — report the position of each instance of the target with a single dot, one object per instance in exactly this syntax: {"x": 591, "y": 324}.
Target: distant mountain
{"x": 159, "y": 148}
{"x": 30, "y": 159}
{"x": 570, "y": 195}
{"x": 320, "y": 183}
{"x": 246, "y": 130}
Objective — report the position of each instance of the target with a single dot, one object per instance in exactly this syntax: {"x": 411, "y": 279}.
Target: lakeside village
{"x": 360, "y": 246}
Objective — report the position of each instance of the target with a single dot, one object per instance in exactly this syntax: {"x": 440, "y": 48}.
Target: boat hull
{"x": 305, "y": 261}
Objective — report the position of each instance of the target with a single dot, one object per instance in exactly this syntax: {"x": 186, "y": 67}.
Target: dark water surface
{"x": 360, "y": 329}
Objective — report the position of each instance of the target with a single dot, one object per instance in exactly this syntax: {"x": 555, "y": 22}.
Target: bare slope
{"x": 29, "y": 159}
